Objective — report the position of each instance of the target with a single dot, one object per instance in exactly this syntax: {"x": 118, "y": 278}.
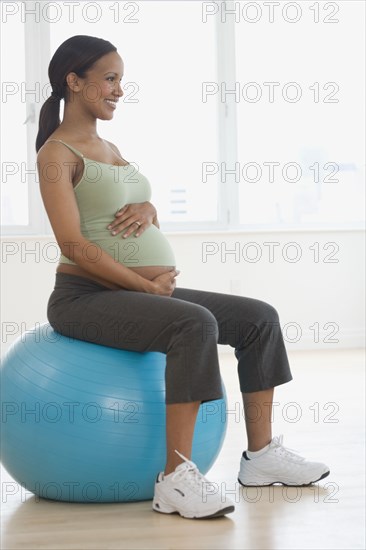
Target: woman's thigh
{"x": 137, "y": 321}
{"x": 80, "y": 308}
{"x": 236, "y": 317}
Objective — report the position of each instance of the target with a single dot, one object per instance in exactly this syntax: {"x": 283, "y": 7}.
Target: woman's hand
{"x": 165, "y": 284}
{"x": 142, "y": 212}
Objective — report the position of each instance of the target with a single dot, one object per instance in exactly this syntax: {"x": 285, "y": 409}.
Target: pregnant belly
{"x": 149, "y": 255}
{"x": 150, "y": 249}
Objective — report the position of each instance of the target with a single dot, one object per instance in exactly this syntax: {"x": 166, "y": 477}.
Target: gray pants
{"x": 186, "y": 326}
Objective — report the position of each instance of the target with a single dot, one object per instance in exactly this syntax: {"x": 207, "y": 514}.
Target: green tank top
{"x": 104, "y": 189}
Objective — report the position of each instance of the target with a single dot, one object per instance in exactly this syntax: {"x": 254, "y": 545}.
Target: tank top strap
{"x": 69, "y": 146}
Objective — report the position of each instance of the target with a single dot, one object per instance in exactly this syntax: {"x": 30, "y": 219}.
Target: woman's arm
{"x": 59, "y": 200}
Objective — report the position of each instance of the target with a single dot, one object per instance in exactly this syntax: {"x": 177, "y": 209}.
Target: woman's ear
{"x": 73, "y": 82}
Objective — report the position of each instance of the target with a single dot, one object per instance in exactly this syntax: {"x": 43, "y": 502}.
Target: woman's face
{"x": 100, "y": 90}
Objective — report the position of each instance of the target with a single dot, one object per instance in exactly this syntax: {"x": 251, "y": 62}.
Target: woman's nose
{"x": 120, "y": 90}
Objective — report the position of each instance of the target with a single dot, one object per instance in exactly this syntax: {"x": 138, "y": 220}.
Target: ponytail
{"x": 49, "y": 120}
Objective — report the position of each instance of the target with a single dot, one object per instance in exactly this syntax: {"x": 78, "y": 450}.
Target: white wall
{"x": 303, "y": 292}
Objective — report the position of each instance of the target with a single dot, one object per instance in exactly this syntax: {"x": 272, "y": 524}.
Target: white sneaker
{"x": 279, "y": 465}
{"x": 189, "y": 493}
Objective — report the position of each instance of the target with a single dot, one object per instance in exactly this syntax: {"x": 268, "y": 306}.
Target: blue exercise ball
{"x": 83, "y": 422}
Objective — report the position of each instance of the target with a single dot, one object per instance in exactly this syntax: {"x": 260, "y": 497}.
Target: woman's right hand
{"x": 165, "y": 284}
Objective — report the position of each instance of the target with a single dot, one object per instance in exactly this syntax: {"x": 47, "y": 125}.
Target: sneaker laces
{"x": 291, "y": 454}
{"x": 189, "y": 472}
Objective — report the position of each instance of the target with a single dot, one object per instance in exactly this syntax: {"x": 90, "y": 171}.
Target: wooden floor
{"x": 321, "y": 414}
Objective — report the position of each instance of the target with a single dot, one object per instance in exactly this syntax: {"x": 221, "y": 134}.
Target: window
{"x": 301, "y": 106}
{"x": 161, "y": 124}
{"x": 14, "y": 188}
{"x": 243, "y": 115}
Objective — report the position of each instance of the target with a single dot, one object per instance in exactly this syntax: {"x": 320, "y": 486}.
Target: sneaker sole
{"x": 217, "y": 514}
{"x": 286, "y": 484}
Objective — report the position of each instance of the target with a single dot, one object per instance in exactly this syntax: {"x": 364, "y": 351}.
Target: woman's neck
{"x": 80, "y": 125}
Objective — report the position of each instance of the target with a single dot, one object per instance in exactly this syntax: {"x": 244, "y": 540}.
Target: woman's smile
{"x": 112, "y": 103}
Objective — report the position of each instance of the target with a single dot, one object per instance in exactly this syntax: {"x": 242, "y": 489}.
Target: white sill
{"x": 240, "y": 231}
{"x": 264, "y": 230}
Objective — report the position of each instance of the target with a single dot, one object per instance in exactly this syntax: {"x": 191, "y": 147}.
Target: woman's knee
{"x": 253, "y": 320}
{"x": 260, "y": 312}
{"x": 198, "y": 323}
{"x": 206, "y": 325}
{"x": 270, "y": 313}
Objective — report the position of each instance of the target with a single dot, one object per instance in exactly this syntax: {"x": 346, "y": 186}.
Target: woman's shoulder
{"x": 61, "y": 136}
{"x": 54, "y": 138}
{"x": 61, "y": 144}
{"x": 57, "y": 146}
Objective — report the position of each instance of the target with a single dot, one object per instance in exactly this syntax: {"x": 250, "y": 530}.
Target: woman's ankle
{"x": 171, "y": 465}
{"x": 170, "y": 468}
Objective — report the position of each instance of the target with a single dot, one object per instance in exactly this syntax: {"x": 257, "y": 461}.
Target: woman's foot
{"x": 189, "y": 493}
{"x": 276, "y": 464}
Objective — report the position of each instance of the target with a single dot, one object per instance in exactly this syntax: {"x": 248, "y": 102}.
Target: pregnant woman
{"x": 117, "y": 273}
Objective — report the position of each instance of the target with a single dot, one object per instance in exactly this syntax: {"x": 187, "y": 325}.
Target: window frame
{"x": 37, "y": 53}
{"x": 37, "y": 56}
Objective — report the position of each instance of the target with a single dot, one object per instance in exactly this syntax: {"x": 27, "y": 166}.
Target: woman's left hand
{"x": 142, "y": 212}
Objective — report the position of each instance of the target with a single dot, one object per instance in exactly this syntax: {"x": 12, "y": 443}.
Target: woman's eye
{"x": 113, "y": 78}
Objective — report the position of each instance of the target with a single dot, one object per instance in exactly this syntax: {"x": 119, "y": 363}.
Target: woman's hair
{"x": 77, "y": 54}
